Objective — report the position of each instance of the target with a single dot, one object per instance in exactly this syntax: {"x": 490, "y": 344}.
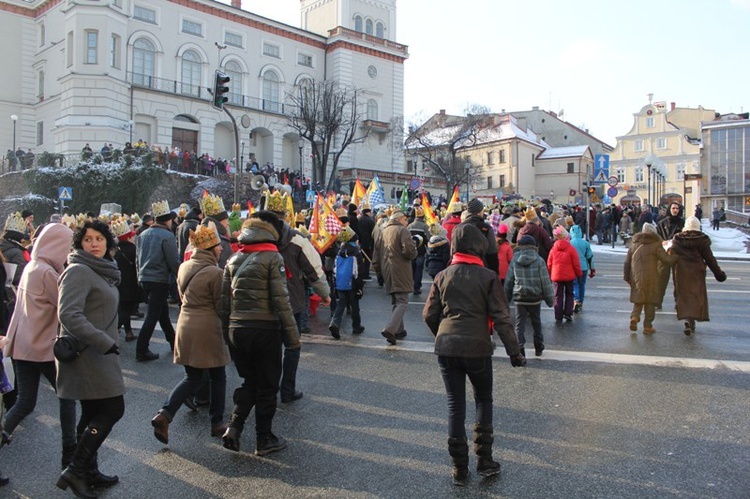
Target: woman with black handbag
{"x": 87, "y": 310}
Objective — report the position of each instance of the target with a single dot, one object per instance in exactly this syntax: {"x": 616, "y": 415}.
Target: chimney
{"x": 671, "y": 106}
{"x": 237, "y": 4}
{"x": 442, "y": 112}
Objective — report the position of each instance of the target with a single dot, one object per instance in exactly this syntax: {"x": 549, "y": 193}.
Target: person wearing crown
{"x": 199, "y": 344}
{"x": 11, "y": 245}
{"x": 214, "y": 211}
{"x": 130, "y": 292}
{"x": 156, "y": 249}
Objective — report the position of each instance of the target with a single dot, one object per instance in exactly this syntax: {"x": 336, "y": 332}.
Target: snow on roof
{"x": 563, "y": 152}
{"x": 503, "y": 131}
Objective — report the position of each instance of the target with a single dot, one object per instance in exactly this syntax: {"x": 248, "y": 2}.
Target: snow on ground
{"x": 725, "y": 243}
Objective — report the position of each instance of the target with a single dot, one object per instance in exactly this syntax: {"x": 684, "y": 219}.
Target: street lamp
{"x": 649, "y": 164}
{"x": 467, "y": 165}
{"x": 300, "y": 146}
{"x": 130, "y": 126}
{"x": 14, "y": 118}
{"x": 242, "y": 154}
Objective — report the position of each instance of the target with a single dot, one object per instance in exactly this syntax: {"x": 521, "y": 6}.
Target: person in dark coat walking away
{"x": 693, "y": 251}
{"x": 640, "y": 272}
{"x": 716, "y": 219}
{"x": 366, "y": 242}
{"x": 419, "y": 233}
{"x": 475, "y": 217}
{"x": 438, "y": 255}
{"x": 87, "y": 309}
{"x": 458, "y": 319}
{"x": 130, "y": 292}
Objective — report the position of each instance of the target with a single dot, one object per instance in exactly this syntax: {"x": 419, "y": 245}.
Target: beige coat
{"x": 391, "y": 259}
{"x": 199, "y": 341}
{"x": 640, "y": 270}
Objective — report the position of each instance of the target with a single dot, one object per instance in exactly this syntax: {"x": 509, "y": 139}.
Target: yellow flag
{"x": 429, "y": 213}
{"x": 359, "y": 193}
{"x": 324, "y": 225}
{"x": 290, "y": 215}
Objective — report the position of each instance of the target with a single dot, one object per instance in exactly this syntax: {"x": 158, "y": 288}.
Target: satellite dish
{"x": 245, "y": 121}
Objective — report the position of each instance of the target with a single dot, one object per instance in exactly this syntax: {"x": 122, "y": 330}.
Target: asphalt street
{"x": 604, "y": 413}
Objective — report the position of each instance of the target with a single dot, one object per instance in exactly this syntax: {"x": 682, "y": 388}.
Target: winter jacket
{"x": 302, "y": 261}
{"x": 14, "y": 252}
{"x": 504, "y": 257}
{"x": 419, "y": 228}
{"x": 198, "y": 341}
{"x": 459, "y": 319}
{"x": 394, "y": 251}
{"x": 260, "y": 297}
{"x": 348, "y": 265}
{"x": 224, "y": 237}
{"x": 449, "y": 224}
{"x": 366, "y": 226}
{"x": 528, "y": 281}
{"x": 640, "y": 269}
{"x": 33, "y": 326}
{"x": 490, "y": 257}
{"x": 191, "y": 222}
{"x": 582, "y": 246}
{"x": 669, "y": 226}
{"x": 563, "y": 263}
{"x": 87, "y": 309}
{"x": 125, "y": 256}
{"x": 693, "y": 252}
{"x": 438, "y": 255}
{"x": 626, "y": 224}
{"x": 543, "y": 241}
{"x": 157, "y": 254}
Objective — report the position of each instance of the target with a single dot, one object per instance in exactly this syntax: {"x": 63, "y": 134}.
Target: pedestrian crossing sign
{"x": 601, "y": 177}
{"x": 65, "y": 193}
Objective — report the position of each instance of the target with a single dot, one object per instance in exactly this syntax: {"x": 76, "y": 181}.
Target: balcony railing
{"x": 198, "y": 92}
{"x": 358, "y": 35}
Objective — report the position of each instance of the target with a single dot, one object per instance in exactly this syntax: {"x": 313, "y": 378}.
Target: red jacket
{"x": 563, "y": 262}
{"x": 504, "y": 257}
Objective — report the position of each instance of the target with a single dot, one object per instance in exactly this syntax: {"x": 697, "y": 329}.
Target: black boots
{"x": 67, "y": 455}
{"x": 231, "y": 438}
{"x": 483, "y": 448}
{"x": 458, "y": 449}
{"x": 76, "y": 475}
{"x": 267, "y": 444}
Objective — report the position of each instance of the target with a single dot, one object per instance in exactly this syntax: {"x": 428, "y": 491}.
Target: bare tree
{"x": 328, "y": 116}
{"x": 443, "y": 144}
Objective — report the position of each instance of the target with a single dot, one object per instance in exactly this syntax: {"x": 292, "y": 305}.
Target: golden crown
{"x": 120, "y": 228}
{"x": 211, "y": 205}
{"x": 276, "y": 202}
{"x": 15, "y": 222}
{"x": 237, "y": 207}
{"x": 160, "y": 208}
{"x": 346, "y": 235}
{"x": 205, "y": 237}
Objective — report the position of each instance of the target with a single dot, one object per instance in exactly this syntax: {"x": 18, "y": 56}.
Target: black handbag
{"x": 67, "y": 348}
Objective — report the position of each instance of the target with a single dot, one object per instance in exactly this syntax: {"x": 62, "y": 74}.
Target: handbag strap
{"x": 244, "y": 264}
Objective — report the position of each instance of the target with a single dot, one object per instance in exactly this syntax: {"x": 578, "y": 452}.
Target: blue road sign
{"x": 65, "y": 193}
{"x": 612, "y": 192}
{"x": 601, "y": 168}
{"x": 310, "y": 196}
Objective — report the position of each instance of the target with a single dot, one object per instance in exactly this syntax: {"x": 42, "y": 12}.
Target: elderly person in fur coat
{"x": 693, "y": 251}
{"x": 641, "y": 273}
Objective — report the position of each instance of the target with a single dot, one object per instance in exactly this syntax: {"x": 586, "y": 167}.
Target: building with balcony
{"x": 116, "y": 71}
{"x": 661, "y": 139}
{"x": 725, "y": 163}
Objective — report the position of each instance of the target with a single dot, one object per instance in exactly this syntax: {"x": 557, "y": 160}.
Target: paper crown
{"x": 120, "y": 228}
{"x": 236, "y": 208}
{"x": 346, "y": 234}
{"x": 418, "y": 211}
{"x": 276, "y": 202}
{"x": 455, "y": 207}
{"x": 184, "y": 208}
{"x": 212, "y": 205}
{"x": 15, "y": 222}
{"x": 205, "y": 237}
{"x": 160, "y": 208}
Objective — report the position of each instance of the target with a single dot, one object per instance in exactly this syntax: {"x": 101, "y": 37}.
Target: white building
{"x": 96, "y": 71}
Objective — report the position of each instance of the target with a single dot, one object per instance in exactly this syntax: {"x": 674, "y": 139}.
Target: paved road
{"x": 372, "y": 422}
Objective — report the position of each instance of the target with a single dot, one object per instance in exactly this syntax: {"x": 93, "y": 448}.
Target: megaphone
{"x": 258, "y": 182}
{"x": 285, "y": 188}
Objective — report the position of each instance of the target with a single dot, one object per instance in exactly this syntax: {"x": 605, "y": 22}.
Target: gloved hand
{"x": 592, "y": 272}
{"x": 113, "y": 350}
{"x": 359, "y": 293}
{"x": 518, "y": 360}
{"x": 721, "y": 276}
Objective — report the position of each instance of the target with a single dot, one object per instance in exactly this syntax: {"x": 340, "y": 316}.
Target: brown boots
{"x": 161, "y": 427}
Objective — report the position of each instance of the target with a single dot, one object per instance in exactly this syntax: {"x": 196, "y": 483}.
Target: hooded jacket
{"x": 438, "y": 255}
{"x": 33, "y": 326}
{"x": 528, "y": 281}
{"x": 302, "y": 261}
{"x": 157, "y": 254}
{"x": 582, "y": 246}
{"x": 394, "y": 251}
{"x": 14, "y": 252}
{"x": 693, "y": 252}
{"x": 490, "y": 255}
{"x": 563, "y": 263}
{"x": 640, "y": 269}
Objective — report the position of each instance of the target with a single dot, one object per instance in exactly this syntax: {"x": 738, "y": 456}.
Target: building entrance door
{"x": 186, "y": 140}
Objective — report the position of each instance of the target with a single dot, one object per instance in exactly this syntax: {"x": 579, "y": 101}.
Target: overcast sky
{"x": 595, "y": 59}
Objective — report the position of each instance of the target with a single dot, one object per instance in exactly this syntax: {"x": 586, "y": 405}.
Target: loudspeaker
{"x": 258, "y": 182}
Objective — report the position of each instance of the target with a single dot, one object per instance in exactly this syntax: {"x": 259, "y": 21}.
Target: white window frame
{"x": 91, "y": 51}
{"x": 661, "y": 143}
{"x": 490, "y": 158}
{"x": 369, "y": 27}
{"x": 270, "y": 49}
{"x": 301, "y": 56}
{"x": 502, "y": 181}
{"x": 231, "y": 43}
{"x": 639, "y": 174}
{"x": 143, "y": 9}
{"x": 380, "y": 29}
{"x": 680, "y": 170}
{"x": 42, "y": 35}
{"x": 620, "y": 174}
{"x": 501, "y": 156}
{"x": 372, "y": 108}
{"x": 650, "y": 122}
{"x": 40, "y": 84}
{"x": 359, "y": 24}
{"x": 189, "y": 23}
{"x": 638, "y": 145}
{"x": 115, "y": 44}
{"x": 69, "y": 49}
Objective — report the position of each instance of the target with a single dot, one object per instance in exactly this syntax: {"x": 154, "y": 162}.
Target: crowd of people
{"x": 245, "y": 288}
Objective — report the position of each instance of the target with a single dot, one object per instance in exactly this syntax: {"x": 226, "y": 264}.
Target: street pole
{"x": 14, "y": 118}
{"x": 237, "y": 168}
{"x": 587, "y": 219}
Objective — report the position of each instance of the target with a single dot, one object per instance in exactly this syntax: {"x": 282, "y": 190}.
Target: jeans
{"x": 563, "y": 299}
{"x": 648, "y": 319}
{"x": 257, "y": 357}
{"x": 399, "y": 304}
{"x": 454, "y": 371}
{"x": 289, "y": 368}
{"x": 417, "y": 267}
{"x": 191, "y": 381}
{"x": 101, "y": 414}
{"x": 579, "y": 288}
{"x": 533, "y": 313}
{"x": 158, "y": 311}
{"x": 347, "y": 299}
{"x": 28, "y": 375}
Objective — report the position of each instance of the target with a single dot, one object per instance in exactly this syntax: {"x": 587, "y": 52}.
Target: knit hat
{"x": 502, "y": 229}
{"x": 527, "y": 240}
{"x": 530, "y": 215}
{"x": 560, "y": 232}
{"x": 466, "y": 238}
{"x": 475, "y": 206}
{"x": 649, "y": 227}
{"x": 692, "y": 223}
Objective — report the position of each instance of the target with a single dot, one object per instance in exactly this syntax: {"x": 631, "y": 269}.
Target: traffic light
{"x": 592, "y": 190}
{"x": 220, "y": 90}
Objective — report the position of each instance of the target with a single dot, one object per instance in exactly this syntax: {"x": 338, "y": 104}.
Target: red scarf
{"x": 466, "y": 258}
{"x": 252, "y": 248}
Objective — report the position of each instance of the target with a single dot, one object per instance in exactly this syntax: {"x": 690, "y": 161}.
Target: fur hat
{"x": 648, "y": 227}
{"x": 205, "y": 236}
{"x": 692, "y": 223}
{"x": 530, "y": 215}
{"x": 475, "y": 206}
{"x": 527, "y": 240}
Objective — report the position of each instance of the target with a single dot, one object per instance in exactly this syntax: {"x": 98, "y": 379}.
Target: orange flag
{"x": 206, "y": 193}
{"x": 324, "y": 225}
{"x": 359, "y": 193}
{"x": 429, "y": 213}
{"x": 454, "y": 197}
{"x": 250, "y": 208}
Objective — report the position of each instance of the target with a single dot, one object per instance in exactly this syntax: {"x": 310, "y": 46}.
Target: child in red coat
{"x": 504, "y": 252}
{"x": 564, "y": 267}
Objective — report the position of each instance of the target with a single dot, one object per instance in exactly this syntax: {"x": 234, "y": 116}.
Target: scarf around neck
{"x": 107, "y": 269}
{"x": 467, "y": 258}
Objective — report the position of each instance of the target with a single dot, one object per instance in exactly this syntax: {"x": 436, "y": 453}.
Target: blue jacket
{"x": 347, "y": 268}
{"x": 157, "y": 254}
{"x": 583, "y": 248}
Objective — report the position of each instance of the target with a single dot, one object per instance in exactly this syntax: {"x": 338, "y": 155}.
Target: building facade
{"x": 666, "y": 140}
{"x": 117, "y": 71}
{"x": 725, "y": 164}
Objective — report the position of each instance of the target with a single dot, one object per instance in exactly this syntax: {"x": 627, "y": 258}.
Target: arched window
{"x": 372, "y": 110}
{"x": 191, "y": 73}
{"x": 144, "y": 62}
{"x": 368, "y": 26}
{"x": 271, "y": 91}
{"x": 234, "y": 72}
{"x": 379, "y": 30}
{"x": 358, "y": 23}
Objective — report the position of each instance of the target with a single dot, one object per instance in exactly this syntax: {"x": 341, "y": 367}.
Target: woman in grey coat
{"x": 87, "y": 309}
